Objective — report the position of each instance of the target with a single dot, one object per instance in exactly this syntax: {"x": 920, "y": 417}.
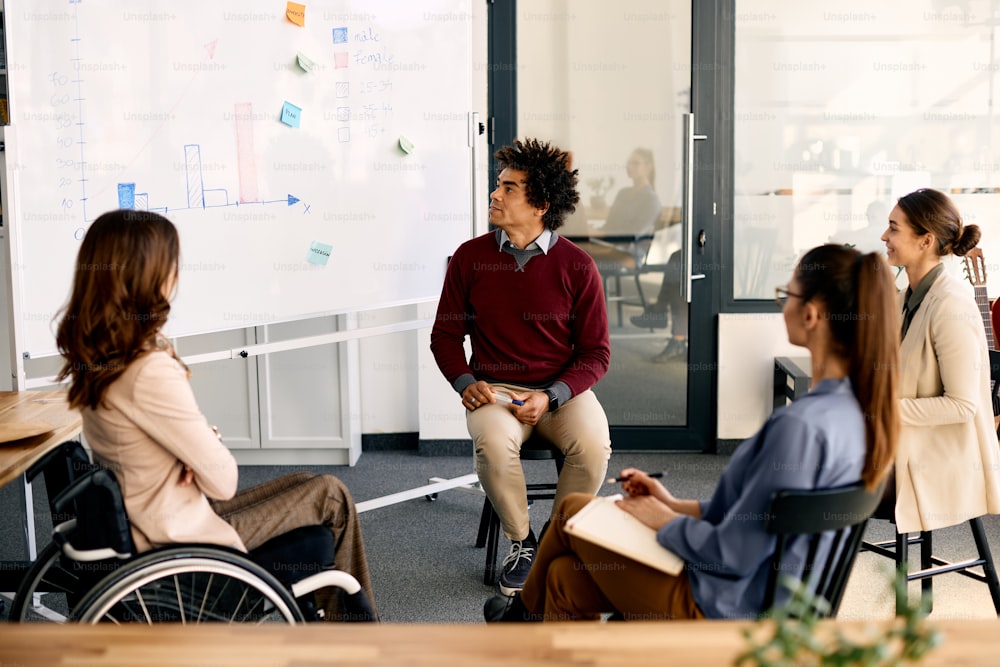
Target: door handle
{"x": 687, "y": 199}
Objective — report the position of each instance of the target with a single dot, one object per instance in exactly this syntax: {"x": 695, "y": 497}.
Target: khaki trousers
{"x": 572, "y": 579}
{"x": 579, "y": 428}
{"x": 303, "y": 499}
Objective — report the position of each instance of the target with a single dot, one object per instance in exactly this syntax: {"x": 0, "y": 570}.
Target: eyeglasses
{"x": 781, "y": 294}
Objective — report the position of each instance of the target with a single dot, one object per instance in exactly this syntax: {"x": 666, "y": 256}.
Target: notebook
{"x": 604, "y": 524}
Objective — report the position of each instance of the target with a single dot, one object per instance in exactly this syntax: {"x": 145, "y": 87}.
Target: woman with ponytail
{"x": 946, "y": 470}
{"x": 840, "y": 305}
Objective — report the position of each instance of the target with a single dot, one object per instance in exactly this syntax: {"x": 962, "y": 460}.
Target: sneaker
{"x": 650, "y": 319}
{"x": 677, "y": 348}
{"x": 517, "y": 564}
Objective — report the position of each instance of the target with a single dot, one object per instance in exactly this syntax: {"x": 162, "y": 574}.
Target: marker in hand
{"x": 504, "y": 398}
{"x": 619, "y": 480}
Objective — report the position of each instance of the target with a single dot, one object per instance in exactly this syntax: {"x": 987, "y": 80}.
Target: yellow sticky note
{"x": 296, "y": 13}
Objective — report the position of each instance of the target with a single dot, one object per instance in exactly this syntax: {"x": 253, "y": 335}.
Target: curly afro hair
{"x": 550, "y": 177}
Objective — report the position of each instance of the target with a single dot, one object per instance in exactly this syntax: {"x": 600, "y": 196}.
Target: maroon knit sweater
{"x": 533, "y": 327}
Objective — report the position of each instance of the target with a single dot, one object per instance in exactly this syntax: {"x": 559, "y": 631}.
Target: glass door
{"x": 613, "y": 84}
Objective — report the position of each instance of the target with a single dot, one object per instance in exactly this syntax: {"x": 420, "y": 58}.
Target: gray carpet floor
{"x": 426, "y": 569}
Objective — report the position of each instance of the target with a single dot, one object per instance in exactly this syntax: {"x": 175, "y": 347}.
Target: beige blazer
{"x": 948, "y": 464}
{"x": 147, "y": 429}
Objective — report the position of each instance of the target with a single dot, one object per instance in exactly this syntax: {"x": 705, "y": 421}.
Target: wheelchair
{"x": 91, "y": 573}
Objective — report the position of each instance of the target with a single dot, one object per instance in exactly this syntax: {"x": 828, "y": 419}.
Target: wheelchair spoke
{"x": 180, "y": 600}
{"x": 145, "y": 610}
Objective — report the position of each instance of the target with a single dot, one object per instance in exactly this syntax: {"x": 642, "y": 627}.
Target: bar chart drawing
{"x": 200, "y": 197}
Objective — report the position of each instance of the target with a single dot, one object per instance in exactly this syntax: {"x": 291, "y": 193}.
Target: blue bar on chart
{"x": 126, "y": 195}
{"x": 192, "y": 171}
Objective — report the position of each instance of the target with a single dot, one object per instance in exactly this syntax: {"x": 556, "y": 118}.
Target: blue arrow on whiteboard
{"x": 292, "y": 200}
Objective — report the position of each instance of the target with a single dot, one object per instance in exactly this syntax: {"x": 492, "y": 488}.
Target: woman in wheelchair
{"x": 141, "y": 420}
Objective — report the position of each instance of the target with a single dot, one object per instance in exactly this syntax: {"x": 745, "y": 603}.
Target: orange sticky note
{"x": 296, "y": 13}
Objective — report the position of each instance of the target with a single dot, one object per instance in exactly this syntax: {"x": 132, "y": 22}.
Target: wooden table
{"x": 30, "y": 406}
{"x": 17, "y": 456}
{"x": 688, "y": 643}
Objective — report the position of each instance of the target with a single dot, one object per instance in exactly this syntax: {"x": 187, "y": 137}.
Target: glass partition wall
{"x": 841, "y": 108}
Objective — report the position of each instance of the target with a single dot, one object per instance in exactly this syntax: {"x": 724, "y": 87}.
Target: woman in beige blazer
{"x": 141, "y": 419}
{"x": 948, "y": 463}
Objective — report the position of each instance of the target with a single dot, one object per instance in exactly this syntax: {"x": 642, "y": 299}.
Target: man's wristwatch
{"x": 553, "y": 400}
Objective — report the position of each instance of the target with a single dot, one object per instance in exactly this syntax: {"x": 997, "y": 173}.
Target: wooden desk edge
{"x": 965, "y": 642}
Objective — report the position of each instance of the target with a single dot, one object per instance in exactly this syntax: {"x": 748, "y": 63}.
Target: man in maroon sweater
{"x": 532, "y": 304}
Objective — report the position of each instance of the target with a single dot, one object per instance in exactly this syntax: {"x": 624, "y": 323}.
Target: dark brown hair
{"x": 118, "y": 304}
{"x": 647, "y": 156}
{"x": 551, "y": 179}
{"x": 931, "y": 211}
{"x": 859, "y": 295}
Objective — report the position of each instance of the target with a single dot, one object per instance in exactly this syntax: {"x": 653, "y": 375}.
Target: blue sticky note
{"x": 291, "y": 115}
{"x": 340, "y": 35}
{"x": 319, "y": 253}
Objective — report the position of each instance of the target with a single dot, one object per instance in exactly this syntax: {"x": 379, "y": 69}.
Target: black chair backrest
{"x": 101, "y": 521}
{"x": 837, "y": 515}
{"x": 60, "y": 467}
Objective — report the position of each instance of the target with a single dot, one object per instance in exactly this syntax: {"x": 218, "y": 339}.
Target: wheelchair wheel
{"x": 188, "y": 585}
{"x": 48, "y": 591}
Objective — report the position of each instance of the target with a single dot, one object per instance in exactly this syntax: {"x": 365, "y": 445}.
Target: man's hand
{"x": 536, "y": 404}
{"x": 477, "y": 394}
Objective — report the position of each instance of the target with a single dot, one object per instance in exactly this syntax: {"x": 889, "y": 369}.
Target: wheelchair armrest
{"x": 326, "y": 578}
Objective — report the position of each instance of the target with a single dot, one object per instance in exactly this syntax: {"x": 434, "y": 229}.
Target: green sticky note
{"x": 319, "y": 253}
{"x": 304, "y": 63}
{"x": 405, "y": 145}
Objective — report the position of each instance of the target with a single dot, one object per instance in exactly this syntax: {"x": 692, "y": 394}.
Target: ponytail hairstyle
{"x": 932, "y": 211}
{"x": 859, "y": 296}
{"x": 118, "y": 305}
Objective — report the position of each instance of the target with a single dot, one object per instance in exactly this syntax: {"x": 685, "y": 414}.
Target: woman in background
{"x": 948, "y": 467}
{"x": 632, "y": 214}
{"x": 141, "y": 420}
{"x": 840, "y": 305}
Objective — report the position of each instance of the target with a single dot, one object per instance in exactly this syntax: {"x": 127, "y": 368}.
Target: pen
{"x": 48, "y": 400}
{"x": 618, "y": 480}
{"x": 504, "y": 398}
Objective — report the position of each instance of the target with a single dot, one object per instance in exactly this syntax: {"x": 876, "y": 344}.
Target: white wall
{"x": 748, "y": 344}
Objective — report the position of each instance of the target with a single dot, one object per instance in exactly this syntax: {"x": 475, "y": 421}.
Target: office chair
{"x": 836, "y": 516}
{"x": 535, "y": 448}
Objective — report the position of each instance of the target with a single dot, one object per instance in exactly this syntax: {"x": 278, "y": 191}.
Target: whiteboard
{"x": 310, "y": 170}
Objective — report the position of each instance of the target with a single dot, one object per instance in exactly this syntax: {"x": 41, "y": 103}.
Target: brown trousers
{"x": 303, "y": 499}
{"x": 572, "y": 579}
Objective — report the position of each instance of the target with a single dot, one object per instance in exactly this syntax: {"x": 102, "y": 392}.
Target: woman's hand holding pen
{"x": 638, "y": 483}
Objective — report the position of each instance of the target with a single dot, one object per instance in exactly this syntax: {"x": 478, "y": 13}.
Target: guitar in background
{"x": 975, "y": 271}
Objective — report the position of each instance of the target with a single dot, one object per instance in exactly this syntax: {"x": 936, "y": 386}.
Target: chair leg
{"x": 926, "y": 562}
{"x": 492, "y": 543}
{"x": 902, "y": 554}
{"x": 990, "y": 572}
{"x": 618, "y": 293}
{"x": 484, "y": 524}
